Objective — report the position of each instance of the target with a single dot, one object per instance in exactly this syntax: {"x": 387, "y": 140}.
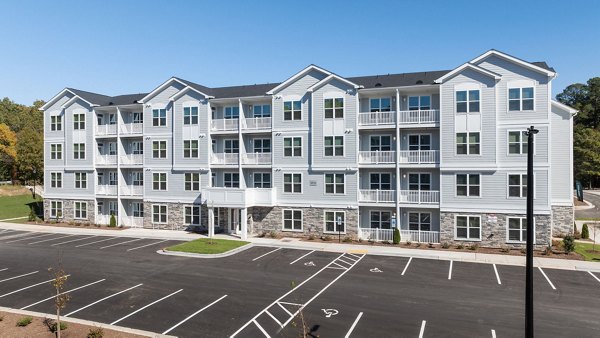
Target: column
{"x": 244, "y": 220}
{"x": 211, "y": 222}
{"x": 397, "y": 157}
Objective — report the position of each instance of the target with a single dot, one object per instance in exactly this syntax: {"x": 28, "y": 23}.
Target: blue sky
{"x": 118, "y": 47}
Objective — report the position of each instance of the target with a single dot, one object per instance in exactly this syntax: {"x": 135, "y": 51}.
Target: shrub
{"x": 24, "y": 321}
{"x": 504, "y": 249}
{"x": 408, "y": 243}
{"x": 576, "y": 232}
{"x": 51, "y": 325}
{"x": 460, "y": 246}
{"x": 347, "y": 240}
{"x": 569, "y": 243}
{"x": 311, "y": 237}
{"x": 96, "y": 332}
{"x": 474, "y": 247}
{"x": 430, "y": 245}
{"x": 273, "y": 234}
{"x": 396, "y": 236}
{"x": 113, "y": 221}
{"x": 326, "y": 238}
{"x": 585, "y": 232}
{"x": 445, "y": 245}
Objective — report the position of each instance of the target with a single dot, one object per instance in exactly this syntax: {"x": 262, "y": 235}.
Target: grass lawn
{"x": 18, "y": 206}
{"x": 202, "y": 246}
{"x": 585, "y": 249}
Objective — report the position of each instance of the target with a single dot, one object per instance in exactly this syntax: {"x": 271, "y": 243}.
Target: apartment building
{"x": 440, "y": 155}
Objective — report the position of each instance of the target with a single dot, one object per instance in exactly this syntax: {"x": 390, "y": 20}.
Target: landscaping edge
{"x": 197, "y": 255}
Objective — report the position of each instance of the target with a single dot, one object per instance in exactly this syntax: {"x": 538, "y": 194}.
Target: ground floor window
{"x": 468, "y": 227}
{"x": 138, "y": 209}
{"x": 56, "y": 209}
{"x": 335, "y": 221}
{"x": 216, "y": 217}
{"x": 420, "y": 221}
{"x": 517, "y": 229}
{"x": 159, "y": 213}
{"x": 292, "y": 220}
{"x": 192, "y": 215}
{"x": 80, "y": 209}
{"x": 381, "y": 219}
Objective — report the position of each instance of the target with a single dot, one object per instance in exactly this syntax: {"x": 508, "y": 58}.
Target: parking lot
{"x": 268, "y": 292}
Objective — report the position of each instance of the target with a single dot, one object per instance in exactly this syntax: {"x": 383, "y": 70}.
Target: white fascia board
{"x": 470, "y": 66}
{"x": 185, "y": 90}
{"x": 513, "y": 59}
{"x": 55, "y": 98}
{"x": 296, "y": 77}
{"x": 563, "y": 106}
{"x": 329, "y": 78}
{"x": 75, "y": 98}
{"x": 161, "y": 87}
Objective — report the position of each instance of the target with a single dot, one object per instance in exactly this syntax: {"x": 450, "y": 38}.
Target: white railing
{"x": 377, "y": 118}
{"x": 106, "y": 129}
{"x": 224, "y": 124}
{"x": 132, "y": 128}
{"x": 103, "y": 219}
{"x": 419, "y": 156}
{"x": 419, "y": 196}
{"x": 420, "y": 236}
{"x": 132, "y": 190}
{"x": 256, "y": 158}
{"x": 377, "y": 196}
{"x": 257, "y": 123}
{"x": 376, "y": 157}
{"x": 419, "y": 116}
{"x": 225, "y": 158}
{"x": 106, "y": 159}
{"x": 106, "y": 189}
{"x": 134, "y": 222}
{"x": 132, "y": 159}
{"x": 377, "y": 235}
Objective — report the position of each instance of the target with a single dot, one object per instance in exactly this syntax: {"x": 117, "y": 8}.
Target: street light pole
{"x": 531, "y": 131}
{"x": 34, "y": 173}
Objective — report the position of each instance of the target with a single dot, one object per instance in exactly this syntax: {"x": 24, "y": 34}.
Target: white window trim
{"x": 79, "y": 151}
{"x": 392, "y": 107}
{"x": 419, "y": 173}
{"x": 392, "y": 143}
{"x": 191, "y": 149}
{"x": 232, "y": 118}
{"x": 334, "y": 146}
{"x": 522, "y": 184}
{"x": 262, "y": 140}
{"x": 467, "y": 87}
{"x": 379, "y": 211}
{"x": 183, "y": 115}
{"x": 380, "y": 173}
{"x": 334, "y": 222}
{"x": 166, "y": 150}
{"x": 166, "y": 117}
{"x": 232, "y": 140}
{"x": 292, "y": 229}
{"x": 80, "y": 181}
{"x": 166, "y": 181}
{"x": 420, "y": 223}
{"x": 334, "y": 193}
{"x": 301, "y": 147}
{"x": 82, "y": 204}
{"x": 61, "y": 209}
{"x": 468, "y": 150}
{"x": 430, "y": 140}
{"x": 262, "y": 173}
{"x": 56, "y": 152}
{"x": 291, "y": 99}
{"x": 232, "y": 173}
{"x": 61, "y": 179}
{"x": 199, "y": 214}
{"x": 430, "y": 102}
{"x": 301, "y": 183}
{"x": 468, "y": 239}
{"x": 166, "y": 213}
{"x": 191, "y": 181}
{"x": 520, "y": 85}
{"x": 343, "y": 108}
{"x": 508, "y": 131}
{"x": 530, "y": 227}
{"x": 468, "y": 185}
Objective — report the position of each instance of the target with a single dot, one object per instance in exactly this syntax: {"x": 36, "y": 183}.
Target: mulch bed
{"x": 76, "y": 225}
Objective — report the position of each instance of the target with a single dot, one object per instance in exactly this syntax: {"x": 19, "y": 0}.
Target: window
{"x": 190, "y": 148}
{"x": 213, "y": 179}
{"x": 419, "y": 102}
{"x": 292, "y": 110}
{"x": 232, "y": 112}
{"x": 112, "y": 208}
{"x": 100, "y": 178}
{"x": 138, "y": 117}
{"x": 467, "y": 185}
{"x": 112, "y": 178}
{"x": 468, "y": 227}
{"x": 55, "y": 123}
{"x": 112, "y": 148}
{"x": 192, "y": 182}
{"x": 334, "y": 145}
{"x": 159, "y": 117}
{"x": 335, "y": 221}
{"x": 79, "y": 151}
{"x": 56, "y": 209}
{"x": 520, "y": 99}
{"x": 56, "y": 151}
{"x": 159, "y": 213}
{"x": 112, "y": 119}
{"x": 334, "y": 108}
{"x": 380, "y": 104}
{"x": 263, "y": 110}
{"x": 231, "y": 180}
{"x": 262, "y": 145}
{"x": 517, "y": 229}
{"x": 380, "y": 143}
{"x": 334, "y": 183}
{"x": 421, "y": 181}
{"x": 381, "y": 219}
{"x": 81, "y": 180}
{"x": 517, "y": 142}
{"x": 261, "y": 180}
{"x": 80, "y": 210}
{"x": 419, "y": 221}
{"x": 380, "y": 181}
{"x": 467, "y": 143}
{"x": 100, "y": 118}
{"x": 190, "y": 115}
{"x": 213, "y": 145}
{"x": 137, "y": 148}
{"x": 159, "y": 181}
{"x": 191, "y": 215}
{"x": 137, "y": 178}
{"x": 467, "y": 101}
{"x": 419, "y": 142}
{"x": 517, "y": 185}
{"x": 138, "y": 209}
{"x": 292, "y": 146}
{"x": 78, "y": 121}
{"x": 292, "y": 220}
{"x": 232, "y": 146}
{"x": 159, "y": 149}
{"x": 292, "y": 183}
{"x": 56, "y": 180}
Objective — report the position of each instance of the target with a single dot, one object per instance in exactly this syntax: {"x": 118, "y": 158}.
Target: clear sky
{"x": 128, "y": 46}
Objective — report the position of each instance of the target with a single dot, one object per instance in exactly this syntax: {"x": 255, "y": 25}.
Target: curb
{"x": 584, "y": 207}
{"x": 197, "y": 255}
{"x": 86, "y": 322}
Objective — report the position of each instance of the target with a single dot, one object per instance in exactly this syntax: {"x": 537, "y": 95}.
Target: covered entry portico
{"x": 230, "y": 219}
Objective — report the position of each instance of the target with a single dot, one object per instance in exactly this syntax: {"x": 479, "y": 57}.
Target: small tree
{"x": 585, "y": 233}
{"x": 569, "y": 243}
{"x": 397, "y": 236}
{"x": 61, "y": 300}
{"x": 113, "y": 221}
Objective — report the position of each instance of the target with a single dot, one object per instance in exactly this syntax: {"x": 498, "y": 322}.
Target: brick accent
{"x": 68, "y": 212}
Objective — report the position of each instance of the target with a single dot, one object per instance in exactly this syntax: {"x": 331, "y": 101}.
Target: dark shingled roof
{"x": 103, "y": 100}
{"x": 398, "y": 80}
{"x": 544, "y": 65}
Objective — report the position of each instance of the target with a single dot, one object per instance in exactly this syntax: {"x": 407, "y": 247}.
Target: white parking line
{"x": 102, "y": 240}
{"x": 353, "y": 325}
{"x": 50, "y": 239}
{"x": 3, "y": 269}
{"x": 27, "y": 287}
{"x": 62, "y": 293}
{"x": 270, "y": 252}
{"x": 548, "y": 279}
{"x": 195, "y": 313}
{"x": 497, "y": 275}
{"x": 110, "y": 246}
{"x": 142, "y": 308}
{"x": 143, "y": 246}
{"x": 103, "y": 299}
{"x": 74, "y": 240}
{"x": 450, "y": 271}
{"x": 406, "y": 267}
{"x": 30, "y": 237}
{"x": 422, "y": 329}
{"x": 493, "y": 333}
{"x": 261, "y": 328}
{"x": 302, "y": 257}
{"x": 598, "y": 279}
{"x": 15, "y": 277}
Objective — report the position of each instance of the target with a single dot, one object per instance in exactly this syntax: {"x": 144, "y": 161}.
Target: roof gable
{"x": 535, "y": 66}
{"x": 468, "y": 65}
{"x": 161, "y": 88}
{"x": 187, "y": 89}
{"x": 296, "y": 77}
{"x": 328, "y": 79}
{"x": 564, "y": 107}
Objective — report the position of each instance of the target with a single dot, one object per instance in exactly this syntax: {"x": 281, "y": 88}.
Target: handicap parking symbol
{"x": 309, "y": 263}
{"x": 376, "y": 270}
{"x": 330, "y": 312}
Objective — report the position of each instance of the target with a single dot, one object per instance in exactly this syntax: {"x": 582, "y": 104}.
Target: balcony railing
{"x": 419, "y": 156}
{"x": 375, "y": 234}
{"x": 106, "y": 159}
{"x": 256, "y": 158}
{"x": 134, "y": 222}
{"x": 419, "y": 196}
{"x": 225, "y": 158}
{"x": 419, "y": 116}
{"x": 106, "y": 129}
{"x": 377, "y": 196}
{"x": 132, "y": 190}
{"x": 132, "y": 128}
{"x": 420, "y": 236}
{"x": 132, "y": 159}
{"x": 224, "y": 124}
{"x": 257, "y": 123}
{"x": 377, "y": 118}
{"x": 105, "y": 189}
{"x": 237, "y": 197}
{"x": 376, "y": 157}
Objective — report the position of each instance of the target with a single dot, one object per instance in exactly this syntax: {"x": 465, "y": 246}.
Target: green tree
{"x": 30, "y": 155}
{"x": 8, "y": 152}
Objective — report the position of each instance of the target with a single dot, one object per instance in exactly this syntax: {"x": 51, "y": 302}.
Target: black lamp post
{"x": 531, "y": 131}
{"x": 34, "y": 171}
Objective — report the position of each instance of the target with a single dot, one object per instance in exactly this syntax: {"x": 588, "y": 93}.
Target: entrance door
{"x": 234, "y": 221}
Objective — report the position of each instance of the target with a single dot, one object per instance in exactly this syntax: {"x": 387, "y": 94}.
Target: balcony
{"x": 132, "y": 128}
{"x": 132, "y": 159}
{"x": 420, "y": 236}
{"x": 224, "y": 158}
{"x": 377, "y": 196}
{"x": 105, "y": 189}
{"x": 134, "y": 222}
{"x": 132, "y": 190}
{"x": 419, "y": 196}
{"x": 257, "y": 123}
{"x": 106, "y": 129}
{"x": 418, "y": 117}
{"x": 256, "y": 158}
{"x": 224, "y": 124}
{"x": 377, "y": 118}
{"x": 239, "y": 198}
{"x": 106, "y": 159}
{"x": 419, "y": 156}
{"x": 376, "y": 157}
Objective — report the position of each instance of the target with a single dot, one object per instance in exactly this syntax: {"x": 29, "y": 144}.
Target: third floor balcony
{"x": 256, "y": 158}
{"x": 131, "y": 129}
{"x": 403, "y": 118}
{"x": 403, "y": 157}
{"x": 224, "y": 158}
{"x": 132, "y": 159}
{"x": 106, "y": 129}
{"x": 224, "y": 124}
